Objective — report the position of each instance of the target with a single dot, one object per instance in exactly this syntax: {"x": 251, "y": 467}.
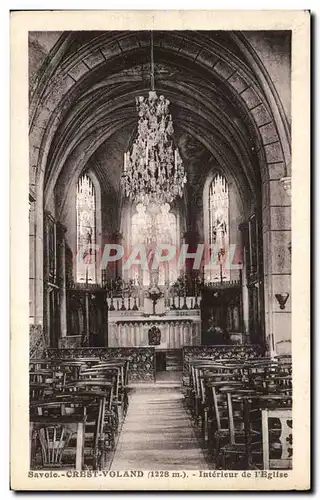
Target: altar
{"x": 178, "y": 324}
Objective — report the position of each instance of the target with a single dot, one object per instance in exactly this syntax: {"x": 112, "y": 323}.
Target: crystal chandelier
{"x": 153, "y": 172}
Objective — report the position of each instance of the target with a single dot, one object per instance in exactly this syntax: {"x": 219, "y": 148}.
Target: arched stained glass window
{"x": 86, "y": 230}
{"x": 150, "y": 230}
{"x": 218, "y": 201}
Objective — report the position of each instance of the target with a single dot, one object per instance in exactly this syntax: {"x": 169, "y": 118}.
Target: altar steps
{"x": 174, "y": 360}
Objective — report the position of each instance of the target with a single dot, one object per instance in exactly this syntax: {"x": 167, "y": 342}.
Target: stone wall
{"x": 274, "y": 50}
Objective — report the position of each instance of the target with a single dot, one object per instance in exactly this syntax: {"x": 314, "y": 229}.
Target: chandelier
{"x": 153, "y": 172}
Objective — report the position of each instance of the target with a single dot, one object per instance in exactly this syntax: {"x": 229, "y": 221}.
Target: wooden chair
{"x": 54, "y": 433}
{"x": 244, "y": 444}
{"x": 218, "y": 428}
{"x": 107, "y": 417}
{"x": 111, "y": 373}
{"x": 276, "y": 416}
{"x": 99, "y": 437}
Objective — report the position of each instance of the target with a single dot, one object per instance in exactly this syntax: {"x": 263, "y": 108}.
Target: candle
{"x": 125, "y": 162}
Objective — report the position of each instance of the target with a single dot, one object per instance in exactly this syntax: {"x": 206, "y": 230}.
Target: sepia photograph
{"x": 160, "y": 284}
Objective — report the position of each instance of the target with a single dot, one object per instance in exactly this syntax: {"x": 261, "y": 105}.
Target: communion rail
{"x": 141, "y": 359}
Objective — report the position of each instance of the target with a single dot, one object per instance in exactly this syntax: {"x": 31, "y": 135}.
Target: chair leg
{"x": 80, "y": 446}
{"x": 205, "y": 426}
{"x": 31, "y": 446}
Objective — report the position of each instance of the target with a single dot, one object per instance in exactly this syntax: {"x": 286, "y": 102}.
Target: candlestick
{"x": 123, "y": 307}
{"x": 111, "y": 308}
{"x": 185, "y": 293}
{"x": 196, "y": 305}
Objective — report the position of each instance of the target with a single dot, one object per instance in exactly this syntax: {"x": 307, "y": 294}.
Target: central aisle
{"x": 157, "y": 434}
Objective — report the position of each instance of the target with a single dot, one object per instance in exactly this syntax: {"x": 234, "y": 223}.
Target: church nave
{"x": 160, "y": 250}
{"x": 157, "y": 432}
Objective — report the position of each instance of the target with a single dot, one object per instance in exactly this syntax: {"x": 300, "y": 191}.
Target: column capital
{"x": 286, "y": 184}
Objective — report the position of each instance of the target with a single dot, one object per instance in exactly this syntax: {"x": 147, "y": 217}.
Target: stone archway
{"x": 66, "y": 79}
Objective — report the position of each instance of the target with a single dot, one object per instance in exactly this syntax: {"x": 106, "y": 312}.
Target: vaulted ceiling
{"x": 97, "y": 116}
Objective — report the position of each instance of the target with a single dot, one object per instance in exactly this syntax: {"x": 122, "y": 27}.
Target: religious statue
{"x": 166, "y": 225}
{"x": 220, "y": 229}
{"x": 141, "y": 222}
{"x": 152, "y": 226}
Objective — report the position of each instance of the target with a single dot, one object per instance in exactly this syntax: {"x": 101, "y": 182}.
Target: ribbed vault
{"x": 227, "y": 115}
{"x": 82, "y": 110}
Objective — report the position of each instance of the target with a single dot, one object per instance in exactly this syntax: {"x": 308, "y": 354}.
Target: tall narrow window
{"x": 218, "y": 239}
{"x": 86, "y": 230}
{"x": 150, "y": 230}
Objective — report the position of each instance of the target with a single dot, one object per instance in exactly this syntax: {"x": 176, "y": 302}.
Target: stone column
{"x": 32, "y": 252}
{"x": 244, "y": 228}
{"x": 277, "y": 262}
{"x": 39, "y": 261}
{"x": 46, "y": 287}
{"x": 62, "y": 275}
{"x": 117, "y": 239}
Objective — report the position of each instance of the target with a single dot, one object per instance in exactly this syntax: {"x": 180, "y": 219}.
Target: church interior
{"x": 160, "y": 250}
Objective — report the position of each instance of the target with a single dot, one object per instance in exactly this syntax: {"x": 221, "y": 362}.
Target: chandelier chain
{"x": 153, "y": 171}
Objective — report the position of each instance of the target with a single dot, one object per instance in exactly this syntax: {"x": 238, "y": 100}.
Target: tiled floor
{"x": 157, "y": 433}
